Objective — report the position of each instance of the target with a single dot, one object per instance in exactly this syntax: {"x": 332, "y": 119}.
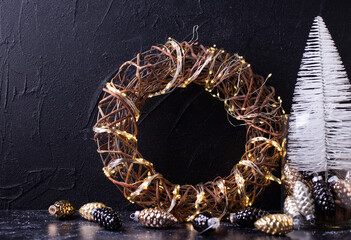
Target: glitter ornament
{"x": 291, "y": 209}
{"x": 205, "y": 223}
{"x": 275, "y": 224}
{"x": 86, "y": 211}
{"x": 61, "y": 209}
{"x": 323, "y": 198}
{"x": 304, "y": 200}
{"x": 247, "y": 217}
{"x": 154, "y": 218}
{"x": 107, "y": 218}
{"x": 342, "y": 190}
{"x": 289, "y": 177}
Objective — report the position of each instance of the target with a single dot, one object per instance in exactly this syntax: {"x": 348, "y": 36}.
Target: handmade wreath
{"x": 160, "y": 70}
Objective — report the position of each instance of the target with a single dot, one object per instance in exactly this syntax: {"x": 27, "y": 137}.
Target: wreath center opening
{"x": 187, "y": 136}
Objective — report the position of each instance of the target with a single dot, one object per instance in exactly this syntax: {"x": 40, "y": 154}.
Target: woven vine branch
{"x": 160, "y": 70}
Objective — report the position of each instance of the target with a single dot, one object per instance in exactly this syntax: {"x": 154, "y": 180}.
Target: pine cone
{"x": 291, "y": 209}
{"x": 62, "y": 209}
{"x": 86, "y": 211}
{"x": 342, "y": 190}
{"x": 304, "y": 200}
{"x": 247, "y": 217}
{"x": 205, "y": 223}
{"x": 289, "y": 177}
{"x": 275, "y": 224}
{"x": 322, "y": 196}
{"x": 154, "y": 218}
{"x": 107, "y": 218}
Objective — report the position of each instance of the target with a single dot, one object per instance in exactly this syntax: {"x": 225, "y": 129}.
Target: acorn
{"x": 107, "y": 218}
{"x": 247, "y": 217}
{"x": 205, "y": 223}
{"x": 62, "y": 209}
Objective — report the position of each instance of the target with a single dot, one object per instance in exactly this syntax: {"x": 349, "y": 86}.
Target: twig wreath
{"x": 160, "y": 70}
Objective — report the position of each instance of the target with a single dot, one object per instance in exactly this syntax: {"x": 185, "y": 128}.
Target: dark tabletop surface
{"x": 40, "y": 225}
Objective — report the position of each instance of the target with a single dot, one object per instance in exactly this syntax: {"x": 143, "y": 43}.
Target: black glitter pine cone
{"x": 322, "y": 196}
{"x": 107, "y": 218}
{"x": 247, "y": 217}
{"x": 205, "y": 223}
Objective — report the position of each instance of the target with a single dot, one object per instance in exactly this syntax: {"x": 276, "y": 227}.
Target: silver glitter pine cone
{"x": 304, "y": 201}
{"x": 291, "y": 209}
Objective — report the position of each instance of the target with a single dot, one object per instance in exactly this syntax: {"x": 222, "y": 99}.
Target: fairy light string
{"x": 246, "y": 97}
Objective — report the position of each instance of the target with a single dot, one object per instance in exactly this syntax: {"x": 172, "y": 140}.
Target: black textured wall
{"x": 55, "y": 56}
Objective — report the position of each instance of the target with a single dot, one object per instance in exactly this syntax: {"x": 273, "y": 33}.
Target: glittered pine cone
{"x": 86, "y": 211}
{"x": 323, "y": 198}
{"x": 304, "y": 200}
{"x": 289, "y": 176}
{"x": 62, "y": 209}
{"x": 154, "y": 218}
{"x": 107, "y": 218}
{"x": 342, "y": 190}
{"x": 275, "y": 224}
{"x": 247, "y": 217}
{"x": 205, "y": 223}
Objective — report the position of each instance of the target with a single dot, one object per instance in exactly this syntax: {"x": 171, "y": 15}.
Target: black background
{"x": 56, "y": 56}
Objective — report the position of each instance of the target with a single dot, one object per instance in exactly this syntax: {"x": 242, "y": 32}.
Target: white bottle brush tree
{"x": 319, "y": 136}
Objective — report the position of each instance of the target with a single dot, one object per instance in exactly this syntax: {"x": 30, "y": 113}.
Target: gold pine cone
{"x": 289, "y": 177}
{"x": 155, "y": 218}
{"x": 86, "y": 211}
{"x": 61, "y": 209}
{"x": 275, "y": 224}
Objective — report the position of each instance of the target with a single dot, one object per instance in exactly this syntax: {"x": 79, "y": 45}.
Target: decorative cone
{"x": 62, "y": 209}
{"x": 107, "y": 218}
{"x": 154, "y": 218}
{"x": 247, "y": 217}
{"x": 86, "y": 211}
{"x": 275, "y": 224}
{"x": 342, "y": 190}
{"x": 323, "y": 198}
{"x": 289, "y": 177}
{"x": 291, "y": 209}
{"x": 304, "y": 201}
{"x": 205, "y": 223}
